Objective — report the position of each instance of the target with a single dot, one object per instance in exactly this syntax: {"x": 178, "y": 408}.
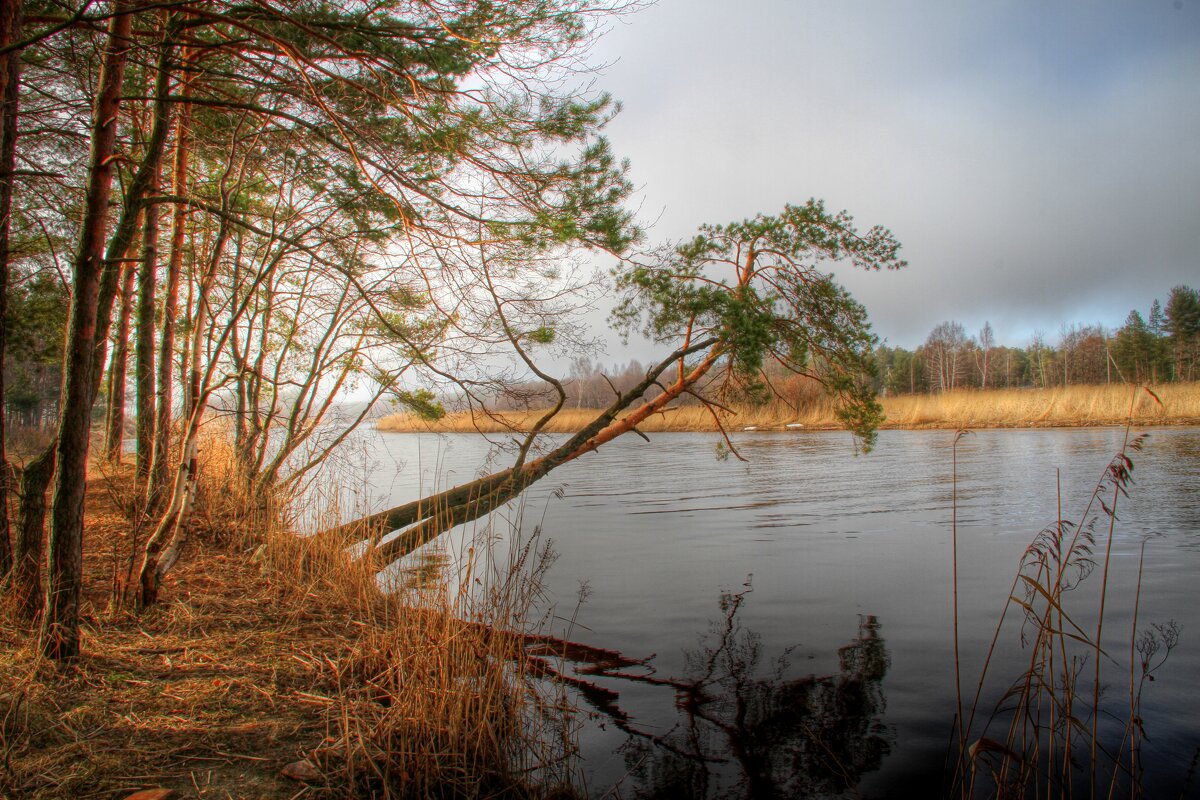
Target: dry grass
{"x": 1043, "y": 737}
{"x": 1000, "y": 408}
{"x": 265, "y": 652}
{"x": 1059, "y": 407}
{"x": 687, "y": 418}
{"x": 205, "y": 694}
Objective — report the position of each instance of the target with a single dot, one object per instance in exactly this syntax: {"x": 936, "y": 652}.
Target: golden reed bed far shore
{"x": 1073, "y": 406}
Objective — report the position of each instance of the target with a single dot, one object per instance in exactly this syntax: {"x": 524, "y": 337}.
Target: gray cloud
{"x": 1040, "y": 162}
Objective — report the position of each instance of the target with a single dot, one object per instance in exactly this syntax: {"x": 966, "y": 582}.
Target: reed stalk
{"x": 1050, "y": 741}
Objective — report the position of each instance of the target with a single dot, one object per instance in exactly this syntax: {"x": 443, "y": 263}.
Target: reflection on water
{"x": 656, "y": 529}
{"x": 425, "y": 570}
{"x": 742, "y": 733}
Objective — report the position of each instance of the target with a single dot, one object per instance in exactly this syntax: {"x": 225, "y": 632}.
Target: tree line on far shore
{"x": 1161, "y": 347}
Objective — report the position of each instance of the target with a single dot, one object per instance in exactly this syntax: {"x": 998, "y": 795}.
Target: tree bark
{"x": 144, "y": 356}
{"x": 60, "y": 624}
{"x": 160, "y": 467}
{"x": 10, "y": 80}
{"x": 118, "y": 372}
{"x": 27, "y": 568}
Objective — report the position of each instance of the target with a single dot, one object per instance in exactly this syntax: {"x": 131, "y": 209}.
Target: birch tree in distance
{"x": 944, "y": 352}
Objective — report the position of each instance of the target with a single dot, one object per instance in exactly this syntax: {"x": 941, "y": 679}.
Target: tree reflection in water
{"x": 742, "y": 735}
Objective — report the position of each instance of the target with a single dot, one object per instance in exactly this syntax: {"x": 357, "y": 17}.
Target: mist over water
{"x": 841, "y": 569}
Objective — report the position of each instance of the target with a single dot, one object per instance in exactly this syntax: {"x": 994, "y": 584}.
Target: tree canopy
{"x": 724, "y": 303}
{"x": 262, "y": 205}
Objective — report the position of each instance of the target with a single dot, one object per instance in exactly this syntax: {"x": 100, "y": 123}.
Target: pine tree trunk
{"x": 60, "y": 625}
{"x": 115, "y": 434}
{"x": 160, "y": 467}
{"x": 10, "y": 77}
{"x": 144, "y": 356}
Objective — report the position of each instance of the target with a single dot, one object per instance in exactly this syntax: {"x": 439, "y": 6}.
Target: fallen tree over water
{"x": 727, "y": 301}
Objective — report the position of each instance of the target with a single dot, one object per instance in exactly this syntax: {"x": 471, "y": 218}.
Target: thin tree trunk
{"x": 145, "y": 341}
{"x": 60, "y": 624}
{"x": 160, "y": 468}
{"x": 159, "y": 557}
{"x": 10, "y": 78}
{"x": 164, "y": 545}
{"x": 185, "y": 356}
{"x": 115, "y": 435}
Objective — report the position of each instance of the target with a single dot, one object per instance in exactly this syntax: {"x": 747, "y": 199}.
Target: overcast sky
{"x": 1039, "y": 160}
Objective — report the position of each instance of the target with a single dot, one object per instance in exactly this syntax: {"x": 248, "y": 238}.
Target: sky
{"x": 1039, "y": 160}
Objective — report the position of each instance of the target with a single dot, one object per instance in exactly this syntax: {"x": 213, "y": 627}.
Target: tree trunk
{"x": 145, "y": 342}
{"x": 164, "y": 545}
{"x": 60, "y": 625}
{"x": 427, "y": 518}
{"x": 160, "y": 468}
{"x": 10, "y": 75}
{"x": 27, "y": 568}
{"x": 115, "y": 435}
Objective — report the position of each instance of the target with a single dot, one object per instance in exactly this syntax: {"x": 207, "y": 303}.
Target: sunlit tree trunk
{"x": 429, "y": 517}
{"x": 60, "y": 628}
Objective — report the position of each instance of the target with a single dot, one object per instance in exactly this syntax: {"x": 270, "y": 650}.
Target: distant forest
{"x": 1161, "y": 346}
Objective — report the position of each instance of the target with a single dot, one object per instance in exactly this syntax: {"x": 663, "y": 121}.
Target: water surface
{"x": 839, "y": 658}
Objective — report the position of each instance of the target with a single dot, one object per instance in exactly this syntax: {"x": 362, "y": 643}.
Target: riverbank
{"x": 271, "y": 668}
{"x": 1074, "y": 406}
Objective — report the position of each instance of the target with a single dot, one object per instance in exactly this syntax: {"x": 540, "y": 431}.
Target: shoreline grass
{"x": 1074, "y": 406}
{"x": 273, "y": 668}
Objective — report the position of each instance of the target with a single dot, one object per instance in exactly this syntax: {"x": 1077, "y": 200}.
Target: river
{"x": 809, "y": 591}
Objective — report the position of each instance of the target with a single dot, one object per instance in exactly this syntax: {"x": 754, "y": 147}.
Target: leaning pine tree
{"x": 726, "y": 302}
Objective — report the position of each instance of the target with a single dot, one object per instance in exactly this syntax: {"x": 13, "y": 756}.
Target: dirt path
{"x": 211, "y": 694}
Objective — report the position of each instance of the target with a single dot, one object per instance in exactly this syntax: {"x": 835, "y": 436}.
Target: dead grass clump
{"x": 438, "y": 702}
{"x": 425, "y": 709}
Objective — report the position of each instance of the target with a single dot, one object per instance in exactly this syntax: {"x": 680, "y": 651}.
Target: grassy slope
{"x": 210, "y": 694}
{"x": 263, "y": 652}
{"x": 1004, "y": 408}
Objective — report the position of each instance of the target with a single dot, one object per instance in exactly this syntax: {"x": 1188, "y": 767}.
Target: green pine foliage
{"x": 756, "y": 286}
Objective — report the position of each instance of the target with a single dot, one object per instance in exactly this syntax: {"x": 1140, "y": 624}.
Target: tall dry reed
{"x": 1055, "y": 407}
{"x": 1043, "y": 736}
{"x": 434, "y": 699}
